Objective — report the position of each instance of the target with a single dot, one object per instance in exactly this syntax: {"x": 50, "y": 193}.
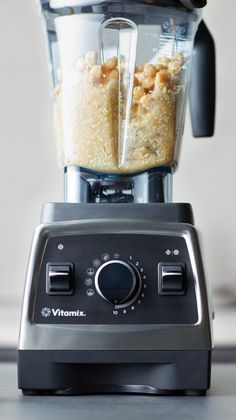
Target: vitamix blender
{"x": 116, "y": 298}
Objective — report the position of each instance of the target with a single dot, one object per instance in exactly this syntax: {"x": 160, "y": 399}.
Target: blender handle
{"x": 203, "y": 84}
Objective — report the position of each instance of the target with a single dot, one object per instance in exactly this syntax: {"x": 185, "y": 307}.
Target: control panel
{"x": 116, "y": 279}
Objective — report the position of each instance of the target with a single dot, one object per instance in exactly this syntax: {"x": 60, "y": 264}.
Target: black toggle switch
{"x": 59, "y": 279}
{"x": 171, "y": 279}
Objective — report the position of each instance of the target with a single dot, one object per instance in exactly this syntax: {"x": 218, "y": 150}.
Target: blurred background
{"x": 29, "y": 174}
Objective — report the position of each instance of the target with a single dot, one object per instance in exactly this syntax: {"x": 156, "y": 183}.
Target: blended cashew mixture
{"x": 101, "y": 128}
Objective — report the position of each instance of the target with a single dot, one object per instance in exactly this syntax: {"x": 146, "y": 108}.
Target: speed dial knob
{"x": 118, "y": 282}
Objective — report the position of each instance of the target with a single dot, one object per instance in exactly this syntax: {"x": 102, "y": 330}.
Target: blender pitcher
{"x": 120, "y": 71}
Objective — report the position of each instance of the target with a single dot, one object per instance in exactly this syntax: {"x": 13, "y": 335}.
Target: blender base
{"x": 164, "y": 212}
{"x": 103, "y": 372}
{"x": 167, "y": 354}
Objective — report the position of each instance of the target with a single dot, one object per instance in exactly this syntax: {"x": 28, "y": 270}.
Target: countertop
{"x": 220, "y": 402}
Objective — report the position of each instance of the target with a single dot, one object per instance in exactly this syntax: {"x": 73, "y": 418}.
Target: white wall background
{"x": 206, "y": 176}
{"x": 28, "y": 169}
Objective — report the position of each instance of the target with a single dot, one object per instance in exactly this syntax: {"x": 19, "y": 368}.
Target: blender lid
{"x": 191, "y": 4}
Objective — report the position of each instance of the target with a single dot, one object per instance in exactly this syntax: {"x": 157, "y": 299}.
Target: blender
{"x": 116, "y": 298}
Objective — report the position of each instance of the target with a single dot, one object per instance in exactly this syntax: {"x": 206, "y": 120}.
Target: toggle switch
{"x": 171, "y": 279}
{"x": 59, "y": 279}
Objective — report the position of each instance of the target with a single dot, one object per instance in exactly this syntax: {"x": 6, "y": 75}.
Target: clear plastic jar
{"x": 120, "y": 72}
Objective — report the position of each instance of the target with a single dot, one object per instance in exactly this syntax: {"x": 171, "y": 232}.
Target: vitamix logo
{"x": 46, "y": 312}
